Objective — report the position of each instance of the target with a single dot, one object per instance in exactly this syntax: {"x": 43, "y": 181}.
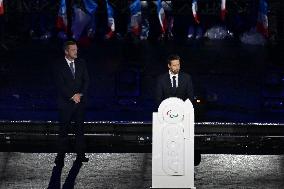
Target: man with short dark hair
{"x": 174, "y": 83}
{"x": 72, "y": 82}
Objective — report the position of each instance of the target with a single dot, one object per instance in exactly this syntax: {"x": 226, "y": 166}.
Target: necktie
{"x": 72, "y": 69}
{"x": 174, "y": 82}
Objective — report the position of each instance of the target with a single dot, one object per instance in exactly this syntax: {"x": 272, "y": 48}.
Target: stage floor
{"x": 132, "y": 170}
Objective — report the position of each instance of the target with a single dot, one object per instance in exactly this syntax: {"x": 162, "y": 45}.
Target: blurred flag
{"x": 262, "y": 19}
{"x": 61, "y": 22}
{"x": 79, "y": 23}
{"x": 1, "y": 7}
{"x": 91, "y": 6}
{"x": 135, "y": 17}
{"x": 190, "y": 33}
{"x": 144, "y": 29}
{"x": 223, "y": 9}
{"x": 82, "y": 19}
{"x": 110, "y": 21}
{"x": 162, "y": 16}
{"x": 194, "y": 11}
{"x": 170, "y": 28}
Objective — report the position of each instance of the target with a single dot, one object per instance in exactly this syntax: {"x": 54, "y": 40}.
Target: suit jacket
{"x": 67, "y": 85}
{"x": 165, "y": 90}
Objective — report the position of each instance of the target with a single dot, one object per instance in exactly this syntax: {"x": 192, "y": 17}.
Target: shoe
{"x": 59, "y": 160}
{"x": 82, "y": 159}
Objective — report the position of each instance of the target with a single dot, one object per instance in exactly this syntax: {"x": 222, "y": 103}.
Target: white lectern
{"x": 173, "y": 145}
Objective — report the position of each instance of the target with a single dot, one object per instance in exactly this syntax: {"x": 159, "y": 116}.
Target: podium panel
{"x": 173, "y": 145}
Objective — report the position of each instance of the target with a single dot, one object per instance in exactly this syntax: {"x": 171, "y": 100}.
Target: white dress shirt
{"x": 171, "y": 77}
{"x": 69, "y": 63}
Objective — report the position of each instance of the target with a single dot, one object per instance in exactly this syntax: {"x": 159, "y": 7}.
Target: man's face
{"x": 174, "y": 66}
{"x": 71, "y": 52}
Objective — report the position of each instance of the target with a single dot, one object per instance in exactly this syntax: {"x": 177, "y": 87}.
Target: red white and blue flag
{"x": 110, "y": 20}
{"x": 262, "y": 19}
{"x": 1, "y": 7}
{"x": 162, "y": 16}
{"x": 61, "y": 22}
{"x": 194, "y": 11}
{"x": 223, "y": 9}
{"x": 135, "y": 17}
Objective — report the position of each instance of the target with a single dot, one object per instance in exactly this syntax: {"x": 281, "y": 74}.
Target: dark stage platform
{"x": 136, "y": 137}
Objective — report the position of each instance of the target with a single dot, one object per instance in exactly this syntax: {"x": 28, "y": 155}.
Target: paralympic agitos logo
{"x": 172, "y": 115}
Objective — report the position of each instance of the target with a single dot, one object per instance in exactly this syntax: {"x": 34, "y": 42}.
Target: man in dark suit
{"x": 72, "y": 80}
{"x": 174, "y": 83}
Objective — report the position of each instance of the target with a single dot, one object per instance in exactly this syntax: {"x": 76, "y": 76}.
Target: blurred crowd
{"x": 88, "y": 20}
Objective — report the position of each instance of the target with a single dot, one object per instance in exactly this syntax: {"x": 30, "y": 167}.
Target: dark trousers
{"x": 74, "y": 113}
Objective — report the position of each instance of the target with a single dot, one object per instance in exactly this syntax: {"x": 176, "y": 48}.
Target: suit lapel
{"x": 169, "y": 83}
{"x": 180, "y": 82}
{"x": 67, "y": 69}
{"x": 76, "y": 68}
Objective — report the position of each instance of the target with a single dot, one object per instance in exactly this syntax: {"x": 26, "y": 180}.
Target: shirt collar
{"x": 69, "y": 61}
{"x": 171, "y": 74}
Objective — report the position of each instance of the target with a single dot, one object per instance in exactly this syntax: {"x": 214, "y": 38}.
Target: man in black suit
{"x": 174, "y": 83}
{"x": 72, "y": 80}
